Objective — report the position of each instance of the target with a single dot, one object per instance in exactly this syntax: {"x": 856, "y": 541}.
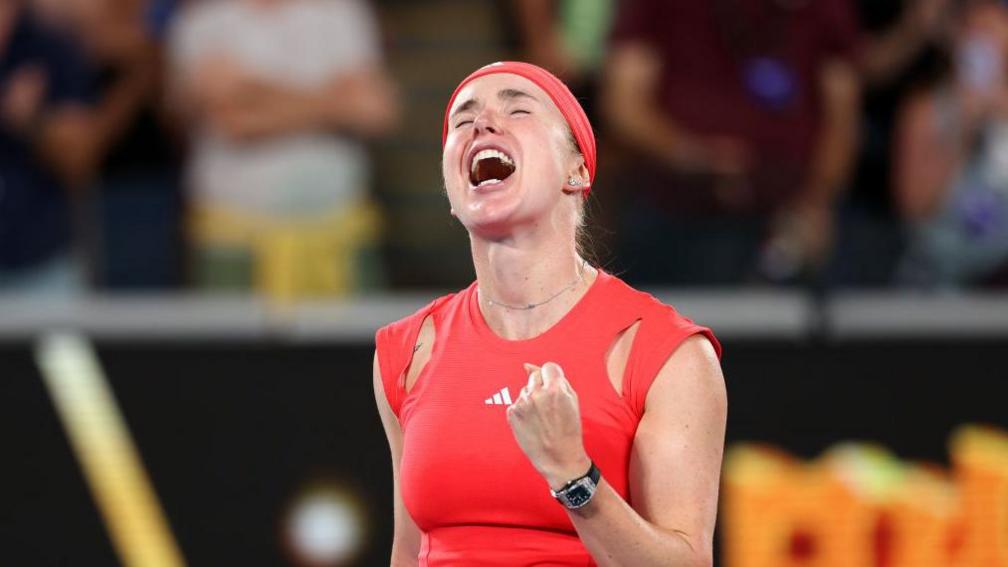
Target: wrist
{"x": 559, "y": 476}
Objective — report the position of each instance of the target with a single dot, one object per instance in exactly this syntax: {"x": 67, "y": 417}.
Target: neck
{"x": 531, "y": 269}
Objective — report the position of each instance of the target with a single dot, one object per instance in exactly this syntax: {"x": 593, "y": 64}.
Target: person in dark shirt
{"x": 132, "y": 158}
{"x": 42, "y": 79}
{"x": 744, "y": 116}
{"x": 902, "y": 55}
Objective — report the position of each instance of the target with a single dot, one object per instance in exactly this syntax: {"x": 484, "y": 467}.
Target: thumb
{"x": 530, "y": 368}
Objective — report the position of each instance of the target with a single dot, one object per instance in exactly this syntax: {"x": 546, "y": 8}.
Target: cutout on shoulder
{"x": 660, "y": 334}
{"x": 421, "y": 352}
{"x": 618, "y": 356}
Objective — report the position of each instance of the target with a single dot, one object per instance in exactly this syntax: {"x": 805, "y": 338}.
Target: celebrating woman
{"x": 548, "y": 414}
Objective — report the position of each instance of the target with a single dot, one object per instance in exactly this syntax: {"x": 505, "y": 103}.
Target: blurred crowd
{"x": 227, "y": 144}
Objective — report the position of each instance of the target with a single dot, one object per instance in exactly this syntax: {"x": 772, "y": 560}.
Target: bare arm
{"x": 362, "y": 102}
{"x": 75, "y": 139}
{"x": 628, "y": 102}
{"x": 675, "y": 462}
{"x": 406, "y": 538}
{"x": 806, "y": 224}
{"x": 838, "y": 132}
{"x": 675, "y": 469}
{"x": 889, "y": 52}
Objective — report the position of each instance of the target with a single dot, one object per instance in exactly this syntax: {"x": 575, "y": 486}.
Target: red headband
{"x": 558, "y": 93}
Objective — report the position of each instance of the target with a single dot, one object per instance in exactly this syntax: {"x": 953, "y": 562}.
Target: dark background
{"x": 230, "y": 430}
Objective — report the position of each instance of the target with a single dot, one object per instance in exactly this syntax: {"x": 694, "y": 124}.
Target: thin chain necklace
{"x": 528, "y": 306}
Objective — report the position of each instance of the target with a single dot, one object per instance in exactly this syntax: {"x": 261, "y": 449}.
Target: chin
{"x": 491, "y": 221}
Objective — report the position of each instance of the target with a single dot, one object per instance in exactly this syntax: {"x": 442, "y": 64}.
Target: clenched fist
{"x": 546, "y": 422}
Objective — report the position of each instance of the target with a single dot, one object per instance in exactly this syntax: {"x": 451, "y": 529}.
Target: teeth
{"x": 489, "y": 153}
{"x": 488, "y": 182}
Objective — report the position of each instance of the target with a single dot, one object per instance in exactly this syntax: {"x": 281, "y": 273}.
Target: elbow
{"x": 697, "y": 552}
{"x": 703, "y": 560}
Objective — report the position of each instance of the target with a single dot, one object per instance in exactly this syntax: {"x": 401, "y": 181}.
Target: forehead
{"x": 487, "y": 87}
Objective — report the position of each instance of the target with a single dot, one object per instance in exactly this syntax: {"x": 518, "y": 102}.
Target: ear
{"x": 580, "y": 177}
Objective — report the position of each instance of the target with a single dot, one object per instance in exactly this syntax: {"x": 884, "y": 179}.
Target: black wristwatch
{"x": 579, "y": 491}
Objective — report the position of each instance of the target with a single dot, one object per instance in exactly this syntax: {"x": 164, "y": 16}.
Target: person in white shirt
{"x": 277, "y": 94}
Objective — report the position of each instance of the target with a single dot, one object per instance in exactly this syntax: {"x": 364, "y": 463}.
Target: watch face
{"x": 580, "y": 493}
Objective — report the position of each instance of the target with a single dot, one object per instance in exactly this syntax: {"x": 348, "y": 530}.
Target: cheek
{"x": 449, "y": 170}
{"x": 450, "y": 157}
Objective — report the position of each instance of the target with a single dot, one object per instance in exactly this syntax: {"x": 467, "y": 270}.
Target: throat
{"x": 526, "y": 314}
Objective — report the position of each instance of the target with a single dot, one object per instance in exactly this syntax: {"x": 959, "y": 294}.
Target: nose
{"x": 486, "y": 122}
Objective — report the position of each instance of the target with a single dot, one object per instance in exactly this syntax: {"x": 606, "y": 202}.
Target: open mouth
{"x": 490, "y": 166}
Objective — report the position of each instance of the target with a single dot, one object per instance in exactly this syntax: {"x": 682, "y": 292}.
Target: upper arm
{"x": 632, "y": 72}
{"x": 406, "y": 538}
{"x": 675, "y": 462}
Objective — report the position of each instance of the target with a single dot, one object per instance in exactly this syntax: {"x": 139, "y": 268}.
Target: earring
{"x": 573, "y": 182}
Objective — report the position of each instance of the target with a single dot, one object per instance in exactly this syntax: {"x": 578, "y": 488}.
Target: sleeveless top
{"x": 464, "y": 480}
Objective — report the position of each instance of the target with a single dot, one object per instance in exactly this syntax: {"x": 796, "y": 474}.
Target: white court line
{"x": 110, "y": 462}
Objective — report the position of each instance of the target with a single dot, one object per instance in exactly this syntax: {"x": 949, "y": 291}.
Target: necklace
{"x": 528, "y": 306}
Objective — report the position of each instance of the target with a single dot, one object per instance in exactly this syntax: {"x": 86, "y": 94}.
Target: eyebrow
{"x": 503, "y": 94}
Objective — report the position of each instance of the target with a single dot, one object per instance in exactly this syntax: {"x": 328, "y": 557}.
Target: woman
{"x": 548, "y": 414}
{"x": 951, "y": 162}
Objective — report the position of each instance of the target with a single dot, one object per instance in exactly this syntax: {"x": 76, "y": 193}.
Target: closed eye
{"x": 519, "y": 111}
{"x": 463, "y": 123}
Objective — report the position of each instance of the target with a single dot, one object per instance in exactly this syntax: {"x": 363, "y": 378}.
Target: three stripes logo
{"x": 501, "y": 398}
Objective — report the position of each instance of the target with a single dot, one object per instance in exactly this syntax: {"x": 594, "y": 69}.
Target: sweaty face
{"x": 506, "y": 156}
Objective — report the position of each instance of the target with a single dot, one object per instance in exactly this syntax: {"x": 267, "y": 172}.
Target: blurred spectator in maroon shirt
{"x": 745, "y": 114}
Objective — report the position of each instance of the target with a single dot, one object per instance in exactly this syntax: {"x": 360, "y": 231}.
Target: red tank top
{"x": 466, "y": 483}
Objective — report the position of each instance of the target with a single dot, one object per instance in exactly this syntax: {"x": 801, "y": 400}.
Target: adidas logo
{"x": 502, "y": 398}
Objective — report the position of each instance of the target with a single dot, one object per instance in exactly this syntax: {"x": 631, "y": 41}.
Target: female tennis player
{"x": 548, "y": 414}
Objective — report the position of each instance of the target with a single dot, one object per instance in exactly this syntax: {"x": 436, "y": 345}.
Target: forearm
{"x": 830, "y": 167}
{"x": 655, "y": 135}
{"x": 629, "y": 106}
{"x": 616, "y": 535}
{"x": 363, "y": 106}
{"x": 890, "y": 52}
{"x": 119, "y": 108}
{"x": 76, "y": 142}
{"x": 835, "y": 145}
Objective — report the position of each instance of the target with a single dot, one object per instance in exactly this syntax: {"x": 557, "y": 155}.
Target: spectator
{"x": 902, "y": 51}
{"x": 744, "y": 113}
{"x": 277, "y": 93}
{"x": 128, "y": 157}
{"x": 951, "y": 166}
{"x": 568, "y": 38}
{"x": 43, "y": 86}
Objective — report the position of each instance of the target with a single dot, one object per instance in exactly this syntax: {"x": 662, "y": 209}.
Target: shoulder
{"x": 663, "y": 339}
{"x": 410, "y": 323}
{"x": 394, "y": 342}
{"x": 662, "y": 321}
{"x": 394, "y": 347}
